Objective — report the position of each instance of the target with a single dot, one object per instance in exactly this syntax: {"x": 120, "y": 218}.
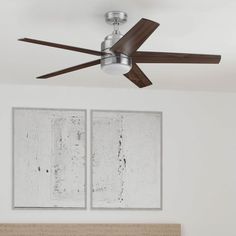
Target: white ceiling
{"x": 195, "y": 26}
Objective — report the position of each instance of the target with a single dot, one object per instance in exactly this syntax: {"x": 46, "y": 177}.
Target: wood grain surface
{"x": 90, "y": 230}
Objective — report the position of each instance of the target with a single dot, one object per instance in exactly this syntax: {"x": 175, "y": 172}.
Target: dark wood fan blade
{"x": 136, "y": 76}
{"x": 167, "y": 57}
{"x": 70, "y": 69}
{"x": 66, "y": 47}
{"x": 135, "y": 37}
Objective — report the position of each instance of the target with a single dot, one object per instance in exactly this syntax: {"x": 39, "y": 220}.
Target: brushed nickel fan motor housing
{"x": 114, "y": 63}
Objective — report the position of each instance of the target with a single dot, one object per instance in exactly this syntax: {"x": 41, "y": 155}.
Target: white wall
{"x": 199, "y": 161}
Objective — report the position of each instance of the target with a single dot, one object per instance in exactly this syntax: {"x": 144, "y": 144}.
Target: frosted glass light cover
{"x": 116, "y": 69}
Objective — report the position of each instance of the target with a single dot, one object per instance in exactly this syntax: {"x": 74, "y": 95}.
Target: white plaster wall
{"x": 199, "y": 155}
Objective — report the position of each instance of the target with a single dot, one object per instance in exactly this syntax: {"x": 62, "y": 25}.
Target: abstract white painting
{"x": 126, "y": 160}
{"x": 49, "y": 158}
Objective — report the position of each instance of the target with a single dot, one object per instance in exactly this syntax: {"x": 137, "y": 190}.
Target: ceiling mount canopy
{"x": 119, "y": 55}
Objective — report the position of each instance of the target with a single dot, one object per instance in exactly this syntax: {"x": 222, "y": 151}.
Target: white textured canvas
{"x": 49, "y": 157}
{"x": 126, "y": 160}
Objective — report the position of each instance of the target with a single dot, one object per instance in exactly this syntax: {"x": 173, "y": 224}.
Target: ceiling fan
{"x": 119, "y": 53}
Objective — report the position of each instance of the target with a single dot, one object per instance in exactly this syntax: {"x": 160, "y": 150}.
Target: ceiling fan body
{"x": 113, "y": 62}
{"x": 119, "y": 53}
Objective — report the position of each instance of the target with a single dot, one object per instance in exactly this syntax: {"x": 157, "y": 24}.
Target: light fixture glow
{"x": 116, "y": 65}
{"x": 116, "y": 68}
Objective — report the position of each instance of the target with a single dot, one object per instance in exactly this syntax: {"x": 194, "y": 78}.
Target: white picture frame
{"x": 49, "y": 158}
{"x": 126, "y": 160}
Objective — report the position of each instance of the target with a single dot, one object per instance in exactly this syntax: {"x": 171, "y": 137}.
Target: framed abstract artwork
{"x": 49, "y": 158}
{"x": 126, "y": 160}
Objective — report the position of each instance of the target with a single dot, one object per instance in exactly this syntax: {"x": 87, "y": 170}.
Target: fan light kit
{"x": 119, "y": 55}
